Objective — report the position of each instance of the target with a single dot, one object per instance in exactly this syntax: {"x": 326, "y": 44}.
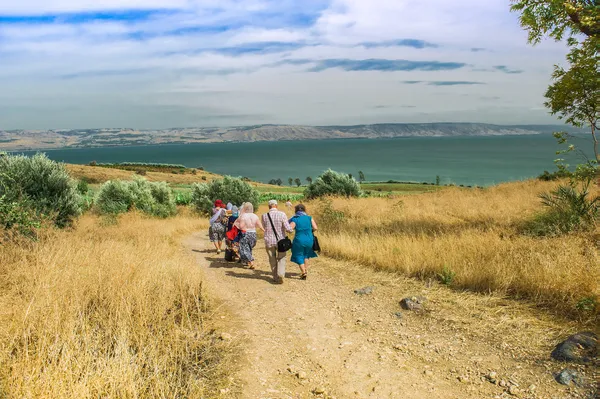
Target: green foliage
{"x": 145, "y": 164}
{"x": 556, "y": 18}
{"x": 280, "y": 197}
{"x": 114, "y": 197}
{"x": 290, "y": 181}
{"x": 153, "y": 198}
{"x": 164, "y": 201}
{"x": 570, "y": 209}
{"x": 227, "y": 189}
{"x": 361, "y": 176}
{"x": 437, "y": 180}
{"x": 447, "y": 276}
{"x": 83, "y": 187}
{"x": 18, "y": 216}
{"x": 298, "y": 181}
{"x": 42, "y": 184}
{"x": 333, "y": 183}
{"x": 587, "y": 304}
{"x": 183, "y": 197}
{"x": 551, "y": 176}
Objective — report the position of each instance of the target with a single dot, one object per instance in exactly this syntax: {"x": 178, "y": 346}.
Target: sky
{"x": 146, "y": 64}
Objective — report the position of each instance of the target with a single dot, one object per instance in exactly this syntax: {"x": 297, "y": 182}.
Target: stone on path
{"x": 413, "y": 303}
{"x": 580, "y": 348}
{"x": 568, "y": 376}
{"x": 364, "y": 291}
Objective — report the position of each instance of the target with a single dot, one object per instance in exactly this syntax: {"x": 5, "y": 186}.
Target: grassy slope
{"x": 472, "y": 233}
{"x": 112, "y": 311}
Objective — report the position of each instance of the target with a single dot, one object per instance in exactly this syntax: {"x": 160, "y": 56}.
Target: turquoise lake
{"x": 459, "y": 160}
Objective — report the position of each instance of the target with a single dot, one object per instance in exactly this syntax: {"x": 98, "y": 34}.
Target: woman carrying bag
{"x": 304, "y": 240}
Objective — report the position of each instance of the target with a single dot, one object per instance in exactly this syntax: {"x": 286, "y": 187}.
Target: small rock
{"x": 414, "y": 303}
{"x": 364, "y": 291}
{"x": 301, "y": 375}
{"x": 566, "y": 376}
{"x": 292, "y": 369}
{"x": 492, "y": 377}
{"x": 319, "y": 390}
{"x": 463, "y": 378}
{"x": 224, "y": 391}
{"x": 225, "y": 337}
{"x": 513, "y": 390}
{"x": 503, "y": 384}
{"x": 531, "y": 388}
{"x": 428, "y": 373}
{"x": 580, "y": 348}
{"x": 399, "y": 315}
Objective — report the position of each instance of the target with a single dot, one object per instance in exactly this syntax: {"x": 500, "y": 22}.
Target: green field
{"x": 399, "y": 188}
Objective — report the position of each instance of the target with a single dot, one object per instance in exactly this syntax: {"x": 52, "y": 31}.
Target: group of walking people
{"x": 238, "y": 227}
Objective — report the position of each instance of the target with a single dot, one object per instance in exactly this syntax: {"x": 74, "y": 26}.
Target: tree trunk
{"x": 595, "y": 143}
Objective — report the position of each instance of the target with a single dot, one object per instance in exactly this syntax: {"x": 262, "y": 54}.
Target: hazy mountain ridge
{"x": 47, "y": 139}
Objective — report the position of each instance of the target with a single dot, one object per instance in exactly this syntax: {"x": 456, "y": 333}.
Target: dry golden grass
{"x": 97, "y": 174}
{"x": 473, "y": 233}
{"x": 107, "y": 311}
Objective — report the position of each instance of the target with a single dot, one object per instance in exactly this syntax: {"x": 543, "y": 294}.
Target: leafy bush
{"x": 42, "y": 184}
{"x": 227, "y": 189}
{"x": 164, "y": 201}
{"x": 153, "y": 198}
{"x": 82, "y": 187}
{"x": 18, "y": 216}
{"x": 114, "y": 197}
{"x": 333, "y": 183}
{"x": 183, "y": 197}
{"x": 551, "y": 176}
{"x": 570, "y": 208}
{"x": 447, "y": 276}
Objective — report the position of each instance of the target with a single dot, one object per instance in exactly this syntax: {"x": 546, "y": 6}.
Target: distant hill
{"x": 46, "y": 139}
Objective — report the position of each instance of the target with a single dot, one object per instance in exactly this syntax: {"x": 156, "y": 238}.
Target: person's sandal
{"x": 303, "y": 276}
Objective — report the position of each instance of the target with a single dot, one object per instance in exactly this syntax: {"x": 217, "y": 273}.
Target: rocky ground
{"x": 344, "y": 334}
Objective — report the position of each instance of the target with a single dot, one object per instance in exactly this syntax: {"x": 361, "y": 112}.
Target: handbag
{"x": 233, "y": 233}
{"x": 283, "y": 245}
{"x": 316, "y": 246}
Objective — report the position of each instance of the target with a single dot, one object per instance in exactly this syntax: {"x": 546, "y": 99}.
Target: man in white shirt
{"x": 282, "y": 227}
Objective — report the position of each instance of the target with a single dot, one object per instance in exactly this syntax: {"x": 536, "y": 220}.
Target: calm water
{"x": 460, "y": 160}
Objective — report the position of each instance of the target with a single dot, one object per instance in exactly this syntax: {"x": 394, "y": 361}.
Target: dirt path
{"x": 317, "y": 338}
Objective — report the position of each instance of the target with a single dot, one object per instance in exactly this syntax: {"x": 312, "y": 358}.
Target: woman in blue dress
{"x": 302, "y": 247}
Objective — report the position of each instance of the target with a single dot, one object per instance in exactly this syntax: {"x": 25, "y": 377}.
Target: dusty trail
{"x": 317, "y": 338}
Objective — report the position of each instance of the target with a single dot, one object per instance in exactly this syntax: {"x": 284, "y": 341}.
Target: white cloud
{"x": 172, "y": 59}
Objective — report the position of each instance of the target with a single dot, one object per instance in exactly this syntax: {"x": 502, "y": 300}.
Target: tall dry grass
{"x": 107, "y": 311}
{"x": 472, "y": 233}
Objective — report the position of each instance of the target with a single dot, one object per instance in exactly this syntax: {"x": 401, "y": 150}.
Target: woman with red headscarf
{"x": 216, "y": 231}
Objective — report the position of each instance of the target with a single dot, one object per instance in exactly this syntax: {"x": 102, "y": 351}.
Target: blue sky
{"x": 167, "y": 63}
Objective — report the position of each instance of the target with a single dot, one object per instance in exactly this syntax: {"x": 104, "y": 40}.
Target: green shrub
{"x": 333, "y": 183}
{"x": 227, "y": 189}
{"x": 551, "y": 176}
{"x": 114, "y": 197}
{"x": 153, "y": 198}
{"x": 82, "y": 187}
{"x": 447, "y": 276}
{"x": 164, "y": 201}
{"x": 41, "y": 183}
{"x": 183, "y": 198}
{"x": 18, "y": 216}
{"x": 570, "y": 209}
